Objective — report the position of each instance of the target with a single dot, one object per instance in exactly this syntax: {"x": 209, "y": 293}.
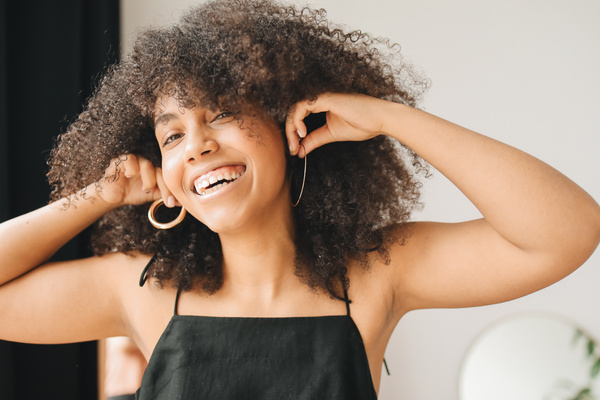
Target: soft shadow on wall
{"x": 51, "y": 53}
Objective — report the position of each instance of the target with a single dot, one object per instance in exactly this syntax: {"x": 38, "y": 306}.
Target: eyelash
{"x": 224, "y": 114}
{"x": 171, "y": 138}
{"x": 175, "y": 136}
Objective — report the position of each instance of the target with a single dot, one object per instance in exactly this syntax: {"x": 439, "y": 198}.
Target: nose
{"x": 199, "y": 144}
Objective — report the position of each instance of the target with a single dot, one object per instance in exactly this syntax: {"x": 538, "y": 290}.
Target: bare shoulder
{"x": 387, "y": 282}
{"x": 400, "y": 245}
{"x": 125, "y": 268}
{"x": 372, "y": 289}
{"x": 373, "y": 297}
{"x": 148, "y": 305}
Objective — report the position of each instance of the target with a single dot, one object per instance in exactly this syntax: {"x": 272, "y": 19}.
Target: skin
{"x": 537, "y": 227}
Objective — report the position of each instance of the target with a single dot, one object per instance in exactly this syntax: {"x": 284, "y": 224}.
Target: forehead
{"x": 176, "y": 103}
{"x": 171, "y": 103}
{"x": 182, "y": 95}
{"x": 166, "y": 109}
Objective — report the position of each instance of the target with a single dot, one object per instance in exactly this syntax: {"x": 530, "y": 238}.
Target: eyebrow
{"x": 164, "y": 118}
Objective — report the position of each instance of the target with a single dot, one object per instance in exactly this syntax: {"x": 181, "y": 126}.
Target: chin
{"x": 224, "y": 221}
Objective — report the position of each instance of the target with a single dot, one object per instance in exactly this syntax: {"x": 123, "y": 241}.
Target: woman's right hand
{"x": 129, "y": 179}
{"x": 133, "y": 179}
{"x": 86, "y": 293}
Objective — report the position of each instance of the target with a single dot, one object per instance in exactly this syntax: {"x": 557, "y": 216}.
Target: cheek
{"x": 280, "y": 170}
{"x": 275, "y": 170}
{"x": 171, "y": 173}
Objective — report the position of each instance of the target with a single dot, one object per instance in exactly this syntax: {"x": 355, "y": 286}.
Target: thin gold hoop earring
{"x": 303, "y": 180}
{"x": 166, "y": 225}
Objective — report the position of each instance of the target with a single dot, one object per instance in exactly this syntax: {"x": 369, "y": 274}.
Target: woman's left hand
{"x": 350, "y": 117}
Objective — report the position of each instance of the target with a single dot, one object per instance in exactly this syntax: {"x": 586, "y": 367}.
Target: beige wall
{"x": 524, "y": 72}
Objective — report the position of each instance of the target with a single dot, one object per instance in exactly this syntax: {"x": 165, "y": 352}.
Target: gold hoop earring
{"x": 303, "y": 180}
{"x": 166, "y": 225}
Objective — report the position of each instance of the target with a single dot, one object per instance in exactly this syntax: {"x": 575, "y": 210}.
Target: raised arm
{"x": 538, "y": 226}
{"x": 47, "y": 302}
{"x": 31, "y": 239}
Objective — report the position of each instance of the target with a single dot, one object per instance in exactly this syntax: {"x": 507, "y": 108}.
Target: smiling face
{"x": 228, "y": 172}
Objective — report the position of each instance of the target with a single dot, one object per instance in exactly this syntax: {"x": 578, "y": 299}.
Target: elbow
{"x": 575, "y": 240}
{"x": 594, "y": 235}
{"x": 585, "y": 239}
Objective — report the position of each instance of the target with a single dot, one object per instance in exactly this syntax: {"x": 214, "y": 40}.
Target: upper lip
{"x": 208, "y": 168}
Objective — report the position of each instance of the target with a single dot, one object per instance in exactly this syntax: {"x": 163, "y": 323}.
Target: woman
{"x": 279, "y": 134}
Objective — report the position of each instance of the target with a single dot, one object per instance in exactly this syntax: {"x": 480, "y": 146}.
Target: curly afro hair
{"x": 269, "y": 56}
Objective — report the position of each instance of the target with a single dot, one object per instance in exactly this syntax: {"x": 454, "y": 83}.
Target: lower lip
{"x": 224, "y": 189}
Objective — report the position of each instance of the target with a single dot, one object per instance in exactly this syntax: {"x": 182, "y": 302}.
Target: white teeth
{"x": 202, "y": 185}
{"x": 214, "y": 188}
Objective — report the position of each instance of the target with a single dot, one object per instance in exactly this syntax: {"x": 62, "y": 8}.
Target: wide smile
{"x": 217, "y": 179}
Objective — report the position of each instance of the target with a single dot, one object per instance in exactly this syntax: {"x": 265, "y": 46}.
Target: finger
{"x": 147, "y": 174}
{"x": 295, "y": 127}
{"x": 291, "y": 131}
{"x": 303, "y": 110}
{"x": 128, "y": 163}
{"x": 316, "y": 138}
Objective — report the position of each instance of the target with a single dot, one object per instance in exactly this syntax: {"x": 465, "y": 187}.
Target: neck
{"x": 258, "y": 262}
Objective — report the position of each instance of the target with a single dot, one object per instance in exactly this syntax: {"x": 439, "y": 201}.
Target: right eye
{"x": 170, "y": 138}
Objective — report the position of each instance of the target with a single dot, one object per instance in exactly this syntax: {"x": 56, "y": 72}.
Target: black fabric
{"x": 50, "y": 53}
{"x": 258, "y": 359}
{"x": 230, "y": 358}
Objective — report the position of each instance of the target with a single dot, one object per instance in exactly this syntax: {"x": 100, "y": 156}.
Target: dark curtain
{"x": 51, "y": 53}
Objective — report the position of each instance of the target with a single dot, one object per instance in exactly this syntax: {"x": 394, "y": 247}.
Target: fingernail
{"x": 298, "y": 132}
{"x": 170, "y": 201}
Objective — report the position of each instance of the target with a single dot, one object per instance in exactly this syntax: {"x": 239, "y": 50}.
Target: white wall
{"x": 526, "y": 72}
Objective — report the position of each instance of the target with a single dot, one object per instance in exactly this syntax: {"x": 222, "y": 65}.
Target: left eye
{"x": 171, "y": 138}
{"x": 223, "y": 115}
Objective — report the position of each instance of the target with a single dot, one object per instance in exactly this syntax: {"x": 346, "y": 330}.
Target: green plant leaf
{"x": 595, "y": 368}
{"x": 591, "y": 346}
{"x": 584, "y": 394}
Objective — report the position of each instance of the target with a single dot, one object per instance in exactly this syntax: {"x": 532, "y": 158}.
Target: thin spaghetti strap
{"x": 144, "y": 276}
{"x": 177, "y": 301}
{"x": 347, "y": 301}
